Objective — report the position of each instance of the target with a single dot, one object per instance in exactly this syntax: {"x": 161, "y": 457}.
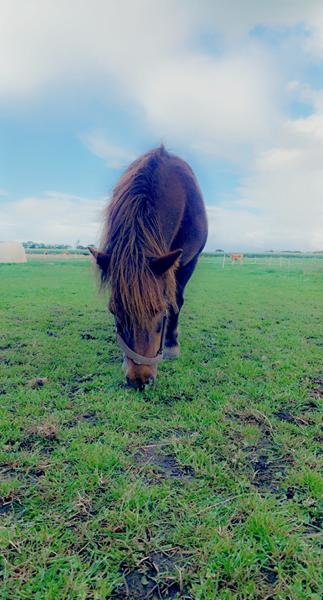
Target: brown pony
{"x": 155, "y": 228}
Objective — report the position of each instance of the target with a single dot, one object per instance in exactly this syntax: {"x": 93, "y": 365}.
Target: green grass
{"x": 206, "y": 486}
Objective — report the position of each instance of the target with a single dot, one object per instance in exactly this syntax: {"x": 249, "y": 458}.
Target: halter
{"x": 138, "y": 359}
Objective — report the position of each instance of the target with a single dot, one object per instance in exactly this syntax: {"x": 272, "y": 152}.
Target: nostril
{"x": 137, "y": 384}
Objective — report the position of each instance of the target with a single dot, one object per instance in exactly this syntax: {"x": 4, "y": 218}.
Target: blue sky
{"x": 235, "y": 90}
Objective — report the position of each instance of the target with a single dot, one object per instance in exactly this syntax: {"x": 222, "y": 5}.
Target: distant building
{"x": 12, "y": 252}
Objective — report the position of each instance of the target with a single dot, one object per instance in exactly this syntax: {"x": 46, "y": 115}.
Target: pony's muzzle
{"x": 138, "y": 376}
{"x": 139, "y": 384}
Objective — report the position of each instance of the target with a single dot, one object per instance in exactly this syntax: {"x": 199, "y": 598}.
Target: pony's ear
{"x": 163, "y": 263}
{"x": 102, "y": 259}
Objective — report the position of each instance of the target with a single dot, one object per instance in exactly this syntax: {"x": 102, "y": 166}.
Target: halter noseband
{"x": 138, "y": 359}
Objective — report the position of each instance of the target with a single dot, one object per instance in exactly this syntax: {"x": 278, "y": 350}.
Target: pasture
{"x": 205, "y": 486}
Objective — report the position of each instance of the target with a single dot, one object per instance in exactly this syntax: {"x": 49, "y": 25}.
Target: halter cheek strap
{"x": 138, "y": 358}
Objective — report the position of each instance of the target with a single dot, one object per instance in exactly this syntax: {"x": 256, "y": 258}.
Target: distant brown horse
{"x": 155, "y": 228}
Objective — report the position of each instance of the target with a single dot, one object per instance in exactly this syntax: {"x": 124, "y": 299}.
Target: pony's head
{"x": 139, "y": 300}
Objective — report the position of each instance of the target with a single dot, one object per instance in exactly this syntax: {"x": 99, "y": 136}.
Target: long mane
{"x": 131, "y": 236}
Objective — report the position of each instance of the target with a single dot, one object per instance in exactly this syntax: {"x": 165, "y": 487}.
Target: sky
{"x": 235, "y": 88}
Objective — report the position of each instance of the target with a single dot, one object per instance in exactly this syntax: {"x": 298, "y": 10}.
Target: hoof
{"x": 171, "y": 352}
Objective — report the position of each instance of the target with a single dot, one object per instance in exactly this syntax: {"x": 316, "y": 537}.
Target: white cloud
{"x": 114, "y": 155}
{"x": 235, "y": 229}
{"x": 282, "y": 224}
{"x": 280, "y": 204}
{"x": 54, "y": 217}
{"x": 228, "y": 104}
{"x": 148, "y": 53}
{"x": 279, "y": 157}
{"x": 45, "y": 43}
{"x": 247, "y": 224}
{"x": 214, "y": 104}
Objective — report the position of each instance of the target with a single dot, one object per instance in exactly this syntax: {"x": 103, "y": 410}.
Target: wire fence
{"x": 282, "y": 262}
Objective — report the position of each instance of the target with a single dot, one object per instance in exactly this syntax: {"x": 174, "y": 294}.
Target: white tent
{"x": 12, "y": 252}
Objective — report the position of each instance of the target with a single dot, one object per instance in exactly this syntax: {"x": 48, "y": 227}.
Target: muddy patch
{"x": 84, "y": 378}
{"x": 265, "y": 464}
{"x": 315, "y": 525}
{"x": 76, "y": 389}
{"x": 163, "y": 466}
{"x": 315, "y": 339}
{"x": 37, "y": 382}
{"x": 266, "y": 473}
{"x": 269, "y": 575}
{"x": 86, "y": 335}
{"x": 51, "y": 333}
{"x": 82, "y": 384}
{"x": 42, "y": 436}
{"x": 286, "y": 416}
{"x": 9, "y": 504}
{"x": 316, "y": 389}
{"x": 90, "y": 417}
{"x": 34, "y": 443}
{"x": 182, "y": 396}
{"x": 13, "y": 345}
{"x": 36, "y": 472}
{"x": 4, "y": 360}
{"x": 16, "y": 471}
{"x": 156, "y": 576}
{"x": 251, "y": 416}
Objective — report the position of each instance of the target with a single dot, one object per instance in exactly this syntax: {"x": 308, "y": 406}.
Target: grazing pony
{"x": 155, "y": 228}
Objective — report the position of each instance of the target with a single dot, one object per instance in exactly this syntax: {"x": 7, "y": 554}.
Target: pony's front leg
{"x": 171, "y": 348}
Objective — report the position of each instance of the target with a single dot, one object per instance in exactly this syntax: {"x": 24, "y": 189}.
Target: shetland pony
{"x": 155, "y": 227}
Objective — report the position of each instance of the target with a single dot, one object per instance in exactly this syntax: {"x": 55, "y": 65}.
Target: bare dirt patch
{"x": 316, "y": 389}
{"x": 76, "y": 389}
{"x": 265, "y": 464}
{"x": 51, "y": 333}
{"x": 164, "y": 466}
{"x": 8, "y": 504}
{"x": 156, "y": 576}
{"x": 286, "y": 416}
{"x": 315, "y": 526}
{"x": 43, "y": 435}
{"x": 251, "y": 416}
{"x": 90, "y": 417}
{"x": 47, "y": 429}
{"x": 37, "y": 382}
{"x": 4, "y": 360}
{"x": 315, "y": 339}
{"x": 266, "y": 471}
{"x": 270, "y": 577}
{"x": 86, "y": 335}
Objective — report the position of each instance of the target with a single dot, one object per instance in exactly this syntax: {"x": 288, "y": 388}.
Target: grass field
{"x": 206, "y": 486}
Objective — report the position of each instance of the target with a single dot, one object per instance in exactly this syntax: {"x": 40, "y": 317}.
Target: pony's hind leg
{"x": 172, "y": 347}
